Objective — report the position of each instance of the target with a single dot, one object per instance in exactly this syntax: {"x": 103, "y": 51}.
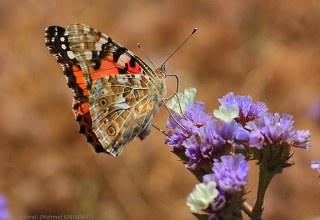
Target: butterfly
{"x": 115, "y": 93}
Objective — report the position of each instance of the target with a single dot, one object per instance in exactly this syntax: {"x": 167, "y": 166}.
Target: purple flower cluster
{"x": 203, "y": 139}
{"x": 4, "y": 213}
{"x": 199, "y": 135}
{"x": 231, "y": 176}
{"x": 218, "y": 150}
{"x": 231, "y": 173}
{"x": 271, "y": 129}
{"x": 248, "y": 111}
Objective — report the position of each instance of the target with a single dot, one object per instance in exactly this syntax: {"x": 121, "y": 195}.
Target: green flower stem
{"x": 265, "y": 177}
{"x": 247, "y": 209}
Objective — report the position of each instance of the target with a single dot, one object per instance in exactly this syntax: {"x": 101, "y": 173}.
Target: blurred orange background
{"x": 269, "y": 50}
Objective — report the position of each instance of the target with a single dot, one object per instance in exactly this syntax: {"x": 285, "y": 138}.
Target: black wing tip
{"x": 55, "y": 39}
{"x": 54, "y": 31}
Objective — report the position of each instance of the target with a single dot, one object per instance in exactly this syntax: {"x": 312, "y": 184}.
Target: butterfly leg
{"x": 165, "y": 105}
{"x": 162, "y": 131}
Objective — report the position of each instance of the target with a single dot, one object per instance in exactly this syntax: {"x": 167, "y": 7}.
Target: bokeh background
{"x": 269, "y": 50}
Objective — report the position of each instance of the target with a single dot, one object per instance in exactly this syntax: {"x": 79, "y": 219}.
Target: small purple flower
{"x": 231, "y": 173}
{"x": 175, "y": 139}
{"x": 186, "y": 127}
{"x": 247, "y": 110}
{"x": 273, "y": 130}
{"x": 4, "y": 213}
{"x": 172, "y": 121}
{"x": 186, "y": 132}
{"x": 313, "y": 111}
{"x": 211, "y": 141}
{"x": 196, "y": 114}
{"x": 301, "y": 139}
{"x": 192, "y": 152}
{"x": 219, "y": 202}
{"x": 256, "y": 139}
{"x": 232, "y": 132}
{"x": 315, "y": 165}
{"x": 208, "y": 177}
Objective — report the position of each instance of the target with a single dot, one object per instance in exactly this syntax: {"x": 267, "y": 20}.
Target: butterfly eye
{"x": 111, "y": 131}
{"x": 163, "y": 69}
{"x": 103, "y": 102}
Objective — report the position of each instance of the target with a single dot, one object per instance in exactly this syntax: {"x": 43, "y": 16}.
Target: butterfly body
{"x": 115, "y": 93}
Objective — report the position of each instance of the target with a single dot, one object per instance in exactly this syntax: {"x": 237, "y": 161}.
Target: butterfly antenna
{"x": 194, "y": 31}
{"x": 175, "y": 76}
{"x": 140, "y": 47}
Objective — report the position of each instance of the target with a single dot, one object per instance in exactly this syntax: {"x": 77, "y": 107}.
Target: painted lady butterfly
{"x": 115, "y": 93}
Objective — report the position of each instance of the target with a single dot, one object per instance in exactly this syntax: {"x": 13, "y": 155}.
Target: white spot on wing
{"x": 86, "y": 29}
{"x": 70, "y": 54}
{"x": 88, "y": 55}
{"x": 63, "y": 46}
{"x": 56, "y": 31}
{"x": 122, "y": 80}
{"x": 102, "y": 40}
{"x": 98, "y": 46}
{"x": 122, "y": 105}
{"x": 123, "y": 58}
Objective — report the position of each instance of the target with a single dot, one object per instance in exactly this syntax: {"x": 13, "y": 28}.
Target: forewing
{"x": 56, "y": 39}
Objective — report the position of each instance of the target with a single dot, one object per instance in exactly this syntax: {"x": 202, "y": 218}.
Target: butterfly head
{"x": 161, "y": 72}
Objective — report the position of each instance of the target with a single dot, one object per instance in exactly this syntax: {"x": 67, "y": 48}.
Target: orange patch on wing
{"x": 80, "y": 79}
{"x": 107, "y": 68}
{"x": 82, "y": 108}
{"x": 110, "y": 68}
{"x": 134, "y": 70}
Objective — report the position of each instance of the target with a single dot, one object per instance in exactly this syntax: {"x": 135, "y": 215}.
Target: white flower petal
{"x": 202, "y": 195}
{"x": 226, "y": 115}
{"x": 179, "y": 102}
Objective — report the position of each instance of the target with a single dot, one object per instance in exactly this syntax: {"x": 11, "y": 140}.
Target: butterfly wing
{"x": 122, "y": 92}
{"x": 121, "y": 109}
{"x": 56, "y": 39}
